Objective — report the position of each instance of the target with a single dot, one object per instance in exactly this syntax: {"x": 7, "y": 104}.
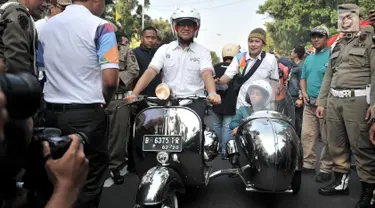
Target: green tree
{"x": 130, "y": 22}
{"x": 293, "y": 19}
{"x": 215, "y": 58}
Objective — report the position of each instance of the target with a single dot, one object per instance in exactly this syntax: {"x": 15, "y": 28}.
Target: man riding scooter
{"x": 187, "y": 66}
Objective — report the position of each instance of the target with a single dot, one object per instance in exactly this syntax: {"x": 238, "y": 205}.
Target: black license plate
{"x": 155, "y": 143}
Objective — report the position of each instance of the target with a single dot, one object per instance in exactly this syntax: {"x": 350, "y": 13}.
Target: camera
{"x": 58, "y": 144}
{"x": 23, "y": 94}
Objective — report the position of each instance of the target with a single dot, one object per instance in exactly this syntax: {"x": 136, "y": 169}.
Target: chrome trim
{"x": 232, "y": 147}
{"x": 155, "y": 185}
{"x": 211, "y": 145}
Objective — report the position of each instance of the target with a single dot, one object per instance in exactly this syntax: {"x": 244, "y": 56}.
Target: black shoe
{"x": 366, "y": 196}
{"x": 323, "y": 177}
{"x": 117, "y": 177}
{"x": 337, "y": 187}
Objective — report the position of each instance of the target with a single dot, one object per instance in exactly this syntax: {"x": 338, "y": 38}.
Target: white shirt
{"x": 39, "y": 25}
{"x": 267, "y": 69}
{"x": 76, "y": 47}
{"x": 183, "y": 68}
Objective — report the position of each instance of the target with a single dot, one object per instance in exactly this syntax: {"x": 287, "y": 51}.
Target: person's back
{"x": 73, "y": 72}
{"x": 81, "y": 60}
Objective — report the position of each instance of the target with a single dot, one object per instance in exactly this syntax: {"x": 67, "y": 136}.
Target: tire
{"x": 296, "y": 181}
{"x": 170, "y": 202}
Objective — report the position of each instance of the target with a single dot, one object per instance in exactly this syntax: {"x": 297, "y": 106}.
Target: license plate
{"x": 155, "y": 143}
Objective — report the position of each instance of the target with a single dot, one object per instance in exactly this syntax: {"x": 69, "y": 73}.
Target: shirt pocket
{"x": 169, "y": 70}
{"x": 193, "y": 74}
{"x": 358, "y": 57}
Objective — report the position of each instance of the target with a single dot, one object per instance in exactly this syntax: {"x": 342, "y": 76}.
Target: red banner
{"x": 335, "y": 37}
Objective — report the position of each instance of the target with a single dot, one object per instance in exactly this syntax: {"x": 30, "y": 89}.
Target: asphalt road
{"x": 225, "y": 192}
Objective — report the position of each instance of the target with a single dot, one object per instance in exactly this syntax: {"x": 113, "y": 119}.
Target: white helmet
{"x": 183, "y": 14}
{"x": 230, "y": 50}
{"x": 265, "y": 87}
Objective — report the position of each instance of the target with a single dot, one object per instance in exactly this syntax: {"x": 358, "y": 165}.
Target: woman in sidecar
{"x": 266, "y": 152}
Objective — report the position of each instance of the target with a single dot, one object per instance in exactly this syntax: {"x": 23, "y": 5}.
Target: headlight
{"x": 162, "y": 91}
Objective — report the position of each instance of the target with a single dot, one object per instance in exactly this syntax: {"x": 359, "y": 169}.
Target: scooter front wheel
{"x": 170, "y": 202}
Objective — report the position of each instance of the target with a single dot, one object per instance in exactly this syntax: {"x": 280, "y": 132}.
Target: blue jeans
{"x": 220, "y": 124}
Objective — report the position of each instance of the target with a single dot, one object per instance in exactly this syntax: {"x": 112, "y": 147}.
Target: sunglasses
{"x": 188, "y": 24}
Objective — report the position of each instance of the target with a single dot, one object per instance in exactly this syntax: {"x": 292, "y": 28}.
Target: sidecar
{"x": 267, "y": 153}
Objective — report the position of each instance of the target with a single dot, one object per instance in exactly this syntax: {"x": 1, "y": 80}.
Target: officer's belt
{"x": 348, "y": 93}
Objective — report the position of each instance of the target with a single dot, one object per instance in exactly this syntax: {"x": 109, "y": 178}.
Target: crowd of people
{"x": 88, "y": 72}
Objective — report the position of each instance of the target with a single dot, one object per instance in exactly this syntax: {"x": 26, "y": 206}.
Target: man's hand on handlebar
{"x": 68, "y": 174}
{"x": 129, "y": 99}
{"x": 214, "y": 99}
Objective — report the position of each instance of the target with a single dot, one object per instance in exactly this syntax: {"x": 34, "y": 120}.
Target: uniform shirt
{"x": 268, "y": 69}
{"x": 19, "y": 39}
{"x": 76, "y": 47}
{"x": 183, "y": 68}
{"x": 144, "y": 58}
{"x": 313, "y": 70}
{"x": 351, "y": 66}
{"x": 129, "y": 68}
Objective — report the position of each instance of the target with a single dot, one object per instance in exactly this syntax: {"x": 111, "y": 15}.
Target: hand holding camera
{"x": 68, "y": 174}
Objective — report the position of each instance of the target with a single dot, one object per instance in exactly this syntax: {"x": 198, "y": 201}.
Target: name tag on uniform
{"x": 195, "y": 60}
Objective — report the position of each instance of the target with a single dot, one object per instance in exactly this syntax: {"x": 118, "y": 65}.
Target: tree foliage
{"x": 215, "y": 58}
{"x": 293, "y": 19}
{"x": 130, "y": 20}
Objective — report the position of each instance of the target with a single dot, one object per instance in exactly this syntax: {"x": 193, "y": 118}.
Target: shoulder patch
{"x": 23, "y": 20}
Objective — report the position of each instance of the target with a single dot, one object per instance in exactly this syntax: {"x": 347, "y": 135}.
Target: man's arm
{"x": 154, "y": 68}
{"x": 326, "y": 86}
{"x": 17, "y": 41}
{"x": 131, "y": 69}
{"x": 108, "y": 60}
{"x": 230, "y": 72}
{"x": 208, "y": 72}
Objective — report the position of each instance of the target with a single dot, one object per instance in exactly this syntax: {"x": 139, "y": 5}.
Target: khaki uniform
{"x": 351, "y": 67}
{"x": 119, "y": 115}
{"x": 18, "y": 50}
{"x": 18, "y": 39}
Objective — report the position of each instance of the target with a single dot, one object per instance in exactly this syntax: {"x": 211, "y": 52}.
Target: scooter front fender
{"x": 156, "y": 184}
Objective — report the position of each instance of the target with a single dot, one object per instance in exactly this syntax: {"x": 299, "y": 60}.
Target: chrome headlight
{"x": 162, "y": 91}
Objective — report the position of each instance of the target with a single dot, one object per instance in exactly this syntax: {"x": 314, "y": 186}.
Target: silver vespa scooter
{"x": 267, "y": 154}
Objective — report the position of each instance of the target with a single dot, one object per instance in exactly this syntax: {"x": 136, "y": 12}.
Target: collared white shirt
{"x": 183, "y": 68}
{"x": 76, "y": 47}
{"x": 267, "y": 70}
{"x": 39, "y": 25}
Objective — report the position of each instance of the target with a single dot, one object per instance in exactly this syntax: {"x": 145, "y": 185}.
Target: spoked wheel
{"x": 296, "y": 181}
{"x": 170, "y": 202}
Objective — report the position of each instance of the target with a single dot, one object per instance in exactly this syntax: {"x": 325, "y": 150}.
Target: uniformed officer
{"x": 345, "y": 100}
{"x": 119, "y": 117}
{"x": 18, "y": 51}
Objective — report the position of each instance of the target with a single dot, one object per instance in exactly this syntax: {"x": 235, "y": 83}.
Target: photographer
{"x": 67, "y": 174}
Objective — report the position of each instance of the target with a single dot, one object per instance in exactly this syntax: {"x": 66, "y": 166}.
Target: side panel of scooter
{"x": 189, "y": 163}
{"x": 272, "y": 149}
